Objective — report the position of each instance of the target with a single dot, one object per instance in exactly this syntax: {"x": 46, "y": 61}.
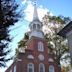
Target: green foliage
{"x": 56, "y": 44}
{"x": 8, "y": 17}
{"x": 57, "y": 19}
{"x": 66, "y": 68}
{"x": 22, "y": 43}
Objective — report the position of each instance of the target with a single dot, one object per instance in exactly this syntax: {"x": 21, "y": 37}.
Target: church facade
{"x": 35, "y": 58}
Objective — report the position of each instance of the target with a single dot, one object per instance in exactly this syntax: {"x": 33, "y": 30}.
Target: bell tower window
{"x": 40, "y": 47}
{"x": 38, "y": 26}
{"x": 34, "y": 26}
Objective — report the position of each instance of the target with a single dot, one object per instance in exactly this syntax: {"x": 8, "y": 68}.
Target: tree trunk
{"x": 59, "y": 65}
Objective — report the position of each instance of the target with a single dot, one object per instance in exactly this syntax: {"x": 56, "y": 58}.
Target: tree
{"x": 9, "y": 15}
{"x": 66, "y": 68}
{"x": 56, "y": 44}
{"x": 22, "y": 43}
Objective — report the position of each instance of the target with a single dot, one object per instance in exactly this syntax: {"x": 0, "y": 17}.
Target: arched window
{"x": 38, "y": 26}
{"x": 41, "y": 67}
{"x": 30, "y": 67}
{"x": 51, "y": 68}
{"x": 34, "y": 26}
{"x": 40, "y": 46}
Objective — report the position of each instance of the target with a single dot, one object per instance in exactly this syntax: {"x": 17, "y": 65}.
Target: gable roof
{"x": 65, "y": 30}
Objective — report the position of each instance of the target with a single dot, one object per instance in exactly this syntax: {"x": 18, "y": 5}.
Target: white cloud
{"x": 29, "y": 11}
{"x": 24, "y": 1}
{"x": 41, "y": 12}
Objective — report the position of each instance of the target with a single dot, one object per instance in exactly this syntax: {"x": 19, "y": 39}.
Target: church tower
{"x": 36, "y": 25}
{"x": 35, "y": 58}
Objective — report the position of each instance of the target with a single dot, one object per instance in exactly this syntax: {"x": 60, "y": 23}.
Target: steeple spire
{"x": 35, "y": 14}
{"x": 36, "y": 25}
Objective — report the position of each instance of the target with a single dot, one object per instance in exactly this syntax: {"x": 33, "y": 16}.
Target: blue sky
{"x": 56, "y": 7}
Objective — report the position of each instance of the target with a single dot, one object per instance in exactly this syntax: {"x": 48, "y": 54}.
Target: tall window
{"x": 34, "y": 26}
{"x": 15, "y": 68}
{"x": 40, "y": 46}
{"x": 30, "y": 67}
{"x": 41, "y": 67}
{"x": 38, "y": 26}
{"x": 51, "y": 68}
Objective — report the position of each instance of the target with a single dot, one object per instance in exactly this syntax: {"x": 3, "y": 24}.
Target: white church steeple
{"x": 36, "y": 25}
{"x": 35, "y": 14}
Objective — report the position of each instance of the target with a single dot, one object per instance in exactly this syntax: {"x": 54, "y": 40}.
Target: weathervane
{"x": 35, "y": 2}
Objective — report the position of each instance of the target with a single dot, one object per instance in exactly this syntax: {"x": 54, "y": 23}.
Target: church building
{"x": 35, "y": 58}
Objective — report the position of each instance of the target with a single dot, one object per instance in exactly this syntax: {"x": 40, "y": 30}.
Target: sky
{"x": 55, "y": 7}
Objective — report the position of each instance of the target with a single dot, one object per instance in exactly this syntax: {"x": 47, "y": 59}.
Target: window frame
{"x": 28, "y": 66}
{"x": 34, "y": 26}
{"x": 51, "y": 68}
{"x": 38, "y": 26}
{"x": 40, "y": 46}
{"x": 43, "y": 66}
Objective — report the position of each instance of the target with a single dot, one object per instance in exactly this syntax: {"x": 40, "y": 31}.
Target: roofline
{"x": 65, "y": 30}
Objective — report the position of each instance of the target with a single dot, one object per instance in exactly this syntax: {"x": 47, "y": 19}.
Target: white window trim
{"x": 41, "y": 64}
{"x": 30, "y": 57}
{"x": 50, "y": 60}
{"x": 41, "y": 57}
{"x": 51, "y": 68}
{"x": 28, "y": 67}
{"x": 40, "y": 47}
